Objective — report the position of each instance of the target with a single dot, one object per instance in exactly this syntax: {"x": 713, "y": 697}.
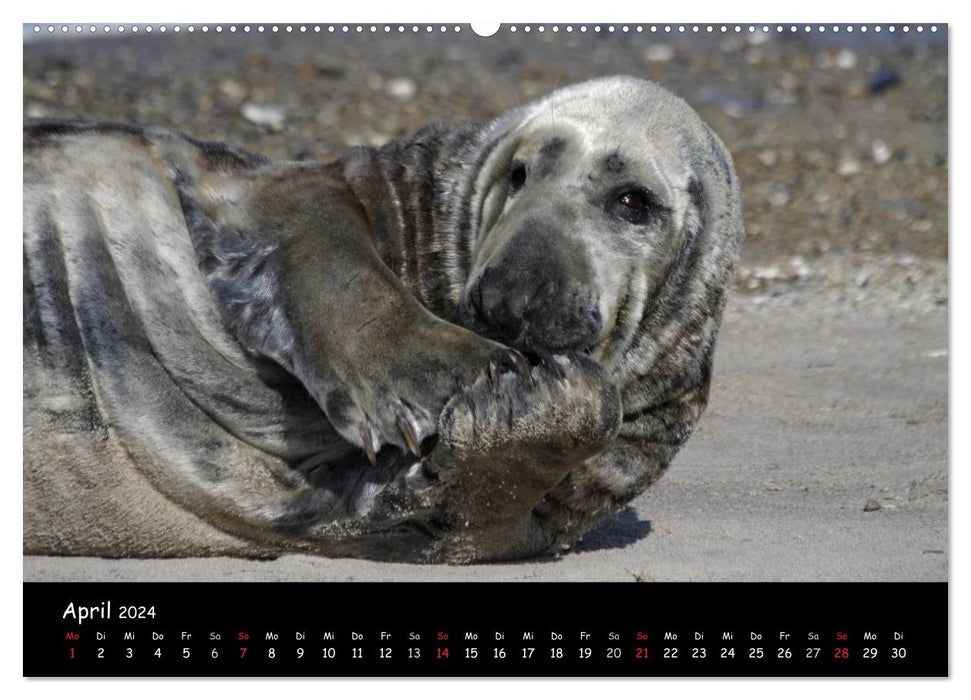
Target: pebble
{"x": 848, "y": 167}
{"x": 375, "y": 81}
{"x": 855, "y": 88}
{"x": 734, "y": 110}
{"x": 788, "y": 81}
{"x": 768, "y": 158}
{"x": 771, "y": 276}
{"x": 884, "y": 80}
{"x": 845, "y": 59}
{"x": 871, "y": 506}
{"x": 36, "y": 111}
{"x": 401, "y": 88}
{"x": 378, "y": 139}
{"x": 881, "y": 151}
{"x": 659, "y": 53}
{"x": 264, "y": 115}
{"x": 779, "y": 198}
{"x": 798, "y": 268}
{"x": 758, "y": 38}
{"x": 232, "y": 89}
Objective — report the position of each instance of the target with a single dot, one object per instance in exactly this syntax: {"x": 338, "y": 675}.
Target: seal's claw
{"x": 522, "y": 368}
{"x": 367, "y": 439}
{"x": 409, "y": 436}
{"x": 552, "y": 366}
{"x": 494, "y": 378}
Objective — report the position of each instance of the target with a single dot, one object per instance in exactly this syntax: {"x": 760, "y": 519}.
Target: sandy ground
{"x": 831, "y": 378}
{"x": 818, "y": 406}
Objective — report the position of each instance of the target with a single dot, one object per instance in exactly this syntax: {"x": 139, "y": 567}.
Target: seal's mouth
{"x": 538, "y": 325}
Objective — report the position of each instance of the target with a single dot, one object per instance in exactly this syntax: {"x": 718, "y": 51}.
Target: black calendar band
{"x": 486, "y": 629}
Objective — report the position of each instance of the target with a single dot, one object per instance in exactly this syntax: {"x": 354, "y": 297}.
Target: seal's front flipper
{"x": 500, "y": 453}
{"x": 290, "y": 254}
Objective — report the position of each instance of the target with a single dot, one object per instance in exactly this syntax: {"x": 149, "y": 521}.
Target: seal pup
{"x": 473, "y": 344}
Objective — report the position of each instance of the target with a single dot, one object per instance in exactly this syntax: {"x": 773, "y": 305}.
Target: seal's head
{"x": 594, "y": 198}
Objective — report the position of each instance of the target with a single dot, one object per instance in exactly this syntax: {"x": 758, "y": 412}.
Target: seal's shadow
{"x": 616, "y": 533}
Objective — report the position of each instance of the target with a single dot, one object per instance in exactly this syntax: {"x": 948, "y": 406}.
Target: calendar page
{"x": 555, "y": 349}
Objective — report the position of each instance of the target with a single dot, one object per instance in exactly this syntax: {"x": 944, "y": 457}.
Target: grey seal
{"x": 473, "y": 344}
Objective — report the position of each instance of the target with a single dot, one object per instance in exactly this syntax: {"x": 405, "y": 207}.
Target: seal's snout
{"x": 497, "y": 306}
{"x": 533, "y": 292}
{"x": 532, "y": 310}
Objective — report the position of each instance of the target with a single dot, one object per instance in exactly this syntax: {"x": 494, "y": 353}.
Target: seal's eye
{"x": 517, "y": 176}
{"x": 634, "y": 204}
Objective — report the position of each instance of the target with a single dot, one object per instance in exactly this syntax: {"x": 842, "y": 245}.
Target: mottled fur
{"x": 211, "y": 337}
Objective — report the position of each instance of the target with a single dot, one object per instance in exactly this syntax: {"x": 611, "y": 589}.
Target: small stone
{"x": 884, "y": 80}
{"x": 401, "y": 88}
{"x": 855, "y": 88}
{"x": 36, "y": 111}
{"x": 83, "y": 79}
{"x": 375, "y": 81}
{"x": 849, "y": 167}
{"x": 798, "y": 269}
{"x": 788, "y": 81}
{"x": 845, "y": 59}
{"x": 871, "y": 506}
{"x": 734, "y": 110}
{"x": 880, "y": 151}
{"x": 232, "y": 89}
{"x": 265, "y": 115}
{"x": 659, "y": 53}
{"x": 768, "y": 158}
{"x": 758, "y": 38}
{"x": 861, "y": 279}
{"x": 352, "y": 140}
{"x": 377, "y": 139}
{"x": 778, "y": 198}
